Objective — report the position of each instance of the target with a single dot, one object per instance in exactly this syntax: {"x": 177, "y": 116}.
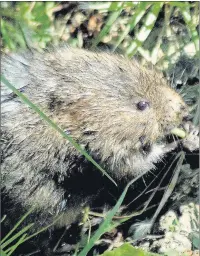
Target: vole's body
{"x": 93, "y": 97}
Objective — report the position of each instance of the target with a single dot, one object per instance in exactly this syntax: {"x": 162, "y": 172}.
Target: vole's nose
{"x": 187, "y": 118}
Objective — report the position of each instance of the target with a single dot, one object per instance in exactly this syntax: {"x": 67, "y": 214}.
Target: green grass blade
{"x": 3, "y": 245}
{"x": 197, "y": 114}
{"x": 155, "y": 51}
{"x": 139, "y": 13}
{"x": 171, "y": 186}
{"x": 106, "y": 225}
{"x": 3, "y": 253}
{"x": 5, "y": 35}
{"x": 3, "y": 218}
{"x": 95, "y": 5}
{"x": 54, "y": 126}
{"x": 14, "y": 247}
{"x": 145, "y": 30}
{"x": 112, "y": 18}
{"x": 190, "y": 26}
{"x": 17, "y": 225}
{"x": 28, "y": 237}
{"x": 43, "y": 229}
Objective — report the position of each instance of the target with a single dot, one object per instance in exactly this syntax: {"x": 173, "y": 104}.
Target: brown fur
{"x": 93, "y": 97}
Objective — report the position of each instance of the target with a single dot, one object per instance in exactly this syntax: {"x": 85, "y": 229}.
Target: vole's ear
{"x": 15, "y": 68}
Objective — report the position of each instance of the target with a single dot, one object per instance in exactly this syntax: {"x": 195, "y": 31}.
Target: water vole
{"x": 116, "y": 109}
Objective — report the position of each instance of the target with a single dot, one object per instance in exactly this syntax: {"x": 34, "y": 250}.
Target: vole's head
{"x": 159, "y": 105}
{"x": 140, "y": 108}
{"x": 121, "y": 109}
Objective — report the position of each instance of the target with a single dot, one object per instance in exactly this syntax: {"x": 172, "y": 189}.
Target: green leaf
{"x": 128, "y": 250}
{"x": 172, "y": 252}
{"x": 194, "y": 237}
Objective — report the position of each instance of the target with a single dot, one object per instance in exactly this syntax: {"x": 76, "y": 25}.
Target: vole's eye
{"x": 142, "y": 105}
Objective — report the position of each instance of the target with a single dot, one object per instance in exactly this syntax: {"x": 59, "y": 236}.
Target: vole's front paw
{"x": 191, "y": 141}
